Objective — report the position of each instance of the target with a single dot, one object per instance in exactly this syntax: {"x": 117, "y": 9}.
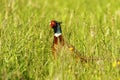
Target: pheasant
{"x": 59, "y": 40}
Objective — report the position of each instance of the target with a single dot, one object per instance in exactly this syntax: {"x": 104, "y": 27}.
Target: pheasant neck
{"x": 57, "y": 31}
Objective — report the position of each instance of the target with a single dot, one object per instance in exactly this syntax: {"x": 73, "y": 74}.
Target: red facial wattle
{"x": 52, "y": 24}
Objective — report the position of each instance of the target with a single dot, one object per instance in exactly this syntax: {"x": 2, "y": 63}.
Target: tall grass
{"x": 92, "y": 26}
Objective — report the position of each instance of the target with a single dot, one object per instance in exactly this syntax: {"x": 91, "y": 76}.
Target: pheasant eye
{"x": 52, "y": 24}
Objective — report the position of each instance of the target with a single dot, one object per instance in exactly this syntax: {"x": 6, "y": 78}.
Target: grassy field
{"x": 92, "y": 26}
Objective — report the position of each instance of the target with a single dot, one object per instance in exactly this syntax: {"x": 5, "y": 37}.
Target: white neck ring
{"x": 57, "y": 34}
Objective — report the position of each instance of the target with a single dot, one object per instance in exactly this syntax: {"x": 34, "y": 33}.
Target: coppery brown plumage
{"x": 56, "y": 41}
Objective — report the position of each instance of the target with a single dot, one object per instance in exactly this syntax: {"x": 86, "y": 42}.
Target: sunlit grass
{"x": 26, "y": 39}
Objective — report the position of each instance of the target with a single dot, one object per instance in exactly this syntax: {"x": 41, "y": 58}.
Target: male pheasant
{"x": 59, "y": 41}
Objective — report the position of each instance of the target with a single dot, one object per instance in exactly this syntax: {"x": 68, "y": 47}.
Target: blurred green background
{"x": 92, "y": 26}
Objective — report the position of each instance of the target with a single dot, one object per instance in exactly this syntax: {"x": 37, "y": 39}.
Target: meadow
{"x": 92, "y": 26}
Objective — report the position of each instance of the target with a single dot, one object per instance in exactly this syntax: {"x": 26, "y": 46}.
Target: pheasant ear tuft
{"x": 60, "y": 22}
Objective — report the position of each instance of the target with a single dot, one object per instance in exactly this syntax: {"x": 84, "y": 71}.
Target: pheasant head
{"x": 56, "y": 26}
